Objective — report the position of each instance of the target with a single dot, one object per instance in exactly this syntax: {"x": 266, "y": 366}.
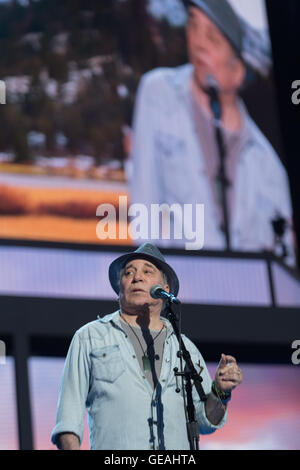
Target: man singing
{"x": 121, "y": 369}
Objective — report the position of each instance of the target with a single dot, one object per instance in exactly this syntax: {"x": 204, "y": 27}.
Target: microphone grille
{"x": 154, "y": 290}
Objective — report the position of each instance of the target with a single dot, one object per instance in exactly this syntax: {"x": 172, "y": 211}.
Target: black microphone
{"x": 157, "y": 292}
{"x": 212, "y": 89}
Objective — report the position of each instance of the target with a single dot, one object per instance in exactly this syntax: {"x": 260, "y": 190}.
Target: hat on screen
{"x": 221, "y": 13}
{"x": 149, "y": 252}
{"x": 251, "y": 44}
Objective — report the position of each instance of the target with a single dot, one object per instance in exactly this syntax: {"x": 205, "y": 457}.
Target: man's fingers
{"x": 228, "y": 374}
{"x": 229, "y": 369}
{"x": 235, "y": 379}
{"x": 223, "y": 361}
{"x": 231, "y": 376}
{"x": 226, "y": 360}
{"x": 230, "y": 359}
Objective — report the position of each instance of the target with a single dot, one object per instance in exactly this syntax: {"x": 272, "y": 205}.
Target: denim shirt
{"x": 102, "y": 373}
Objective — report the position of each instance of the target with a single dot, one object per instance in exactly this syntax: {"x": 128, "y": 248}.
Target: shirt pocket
{"x": 107, "y": 363}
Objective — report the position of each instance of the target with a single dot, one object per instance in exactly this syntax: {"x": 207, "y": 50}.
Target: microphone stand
{"x": 280, "y": 225}
{"x": 189, "y": 373}
{"x": 221, "y": 178}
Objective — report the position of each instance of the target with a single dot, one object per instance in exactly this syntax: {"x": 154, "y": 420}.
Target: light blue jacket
{"x": 102, "y": 374}
{"x": 168, "y": 167}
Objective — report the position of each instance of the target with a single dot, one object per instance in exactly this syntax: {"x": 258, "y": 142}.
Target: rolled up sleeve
{"x": 205, "y": 426}
{"x": 73, "y": 391}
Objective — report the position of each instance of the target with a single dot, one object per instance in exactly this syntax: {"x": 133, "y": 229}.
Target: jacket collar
{"x": 115, "y": 318}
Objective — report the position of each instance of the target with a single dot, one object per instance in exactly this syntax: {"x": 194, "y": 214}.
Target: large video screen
{"x": 157, "y": 120}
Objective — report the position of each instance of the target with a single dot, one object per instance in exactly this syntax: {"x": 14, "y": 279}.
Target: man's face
{"x": 211, "y": 53}
{"x": 138, "y": 277}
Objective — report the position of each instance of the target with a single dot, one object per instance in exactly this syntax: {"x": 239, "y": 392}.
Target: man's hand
{"x": 228, "y": 374}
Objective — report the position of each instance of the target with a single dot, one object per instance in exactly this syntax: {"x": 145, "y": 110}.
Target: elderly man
{"x": 120, "y": 367}
{"x": 175, "y": 157}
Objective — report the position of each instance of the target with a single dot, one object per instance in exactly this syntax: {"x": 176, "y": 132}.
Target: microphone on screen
{"x": 212, "y": 88}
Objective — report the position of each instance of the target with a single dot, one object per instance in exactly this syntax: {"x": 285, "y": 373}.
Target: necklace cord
{"x": 153, "y": 339}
